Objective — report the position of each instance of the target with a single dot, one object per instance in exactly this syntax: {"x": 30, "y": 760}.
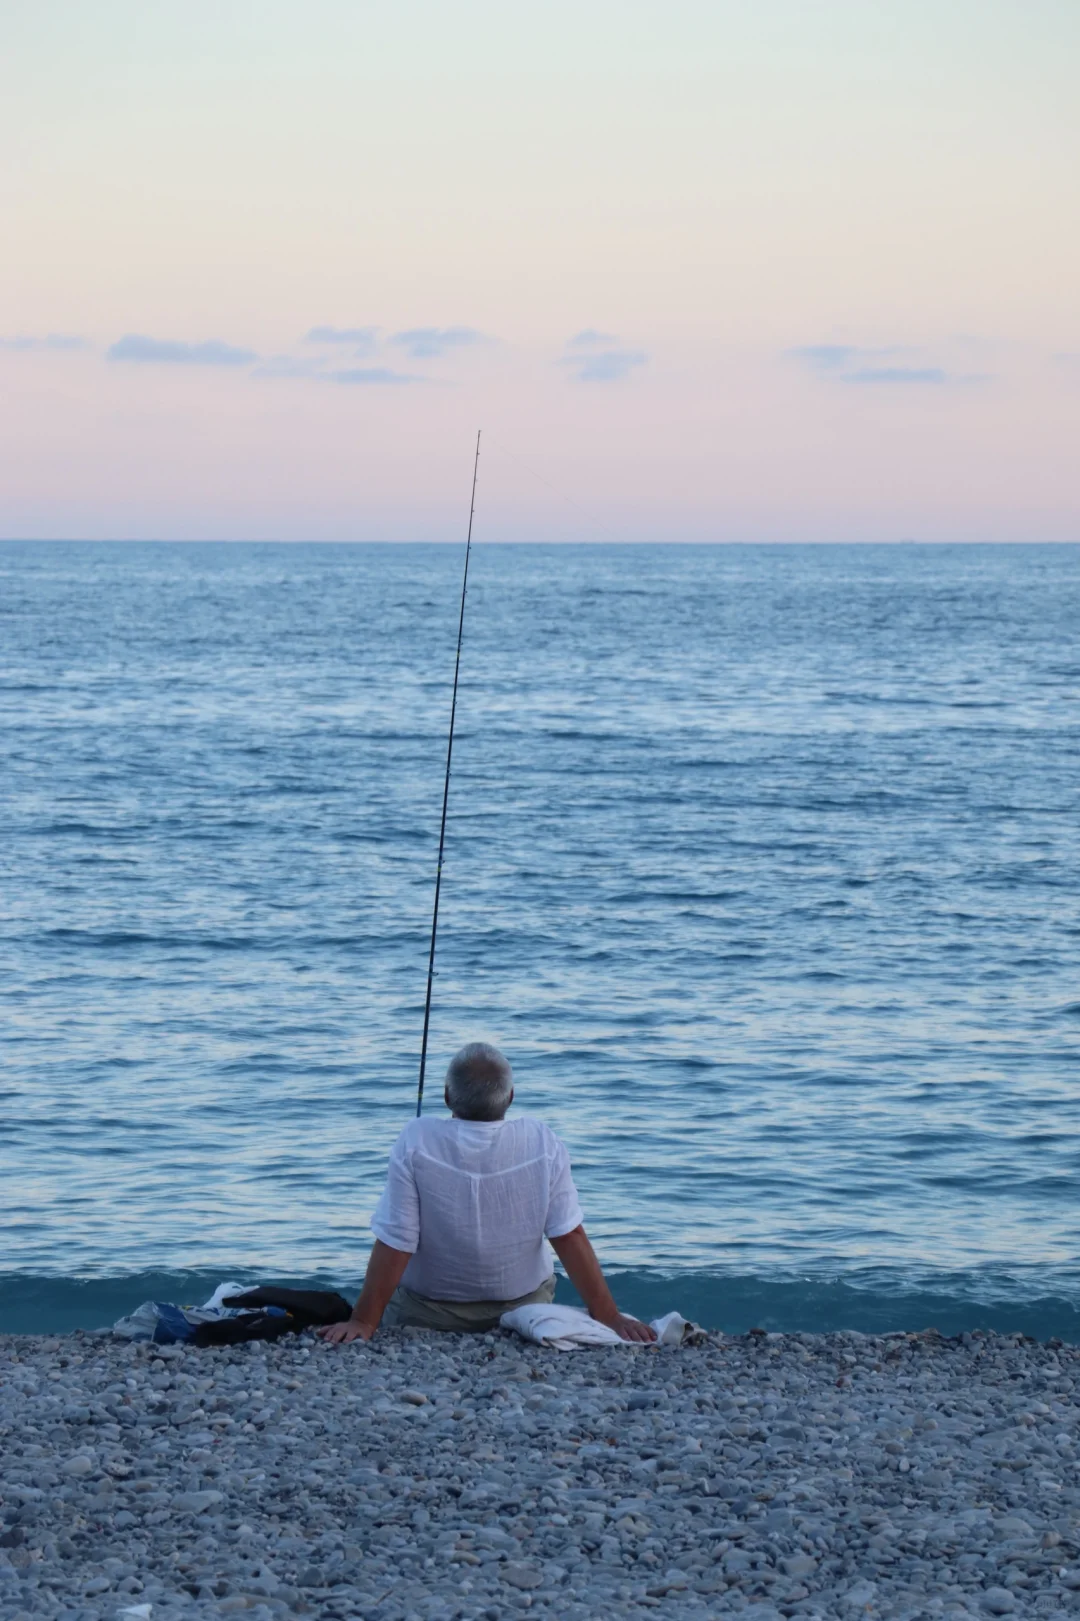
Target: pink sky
{"x": 707, "y": 269}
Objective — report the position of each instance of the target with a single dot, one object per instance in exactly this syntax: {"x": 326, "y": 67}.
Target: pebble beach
{"x": 434, "y": 1478}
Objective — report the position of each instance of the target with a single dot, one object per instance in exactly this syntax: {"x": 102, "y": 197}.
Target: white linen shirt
{"x": 472, "y": 1201}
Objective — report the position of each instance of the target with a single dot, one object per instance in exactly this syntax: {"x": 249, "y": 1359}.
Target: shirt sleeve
{"x": 564, "y": 1208}
{"x": 396, "y": 1218}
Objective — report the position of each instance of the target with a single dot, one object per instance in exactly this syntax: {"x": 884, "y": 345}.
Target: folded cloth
{"x": 568, "y": 1328}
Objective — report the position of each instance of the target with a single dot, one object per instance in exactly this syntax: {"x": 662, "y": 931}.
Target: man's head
{"x": 479, "y": 1083}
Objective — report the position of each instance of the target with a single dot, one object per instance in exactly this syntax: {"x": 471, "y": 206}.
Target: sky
{"x": 705, "y": 270}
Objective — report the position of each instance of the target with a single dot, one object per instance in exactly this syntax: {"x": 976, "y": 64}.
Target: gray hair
{"x": 479, "y": 1082}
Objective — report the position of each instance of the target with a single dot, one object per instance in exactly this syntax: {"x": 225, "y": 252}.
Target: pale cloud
{"x": 596, "y": 357}
{"x": 362, "y": 338}
{"x": 374, "y": 376}
{"x": 591, "y": 339}
{"x": 290, "y": 368}
{"x": 167, "y": 351}
{"x": 848, "y": 363}
{"x": 611, "y": 366}
{"x": 826, "y": 356}
{"x": 430, "y": 342}
{"x": 51, "y": 341}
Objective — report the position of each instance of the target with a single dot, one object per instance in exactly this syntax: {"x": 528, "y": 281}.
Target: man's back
{"x": 473, "y": 1200}
{"x": 460, "y": 1228}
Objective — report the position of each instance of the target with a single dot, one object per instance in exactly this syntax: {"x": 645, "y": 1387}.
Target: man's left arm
{"x": 567, "y": 1237}
{"x": 385, "y": 1269}
{"x": 584, "y": 1271}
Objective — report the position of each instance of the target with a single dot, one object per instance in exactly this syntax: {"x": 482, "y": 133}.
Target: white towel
{"x": 226, "y": 1291}
{"x": 568, "y": 1328}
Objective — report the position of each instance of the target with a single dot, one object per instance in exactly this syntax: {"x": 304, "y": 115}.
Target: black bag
{"x": 313, "y": 1306}
{"x": 306, "y": 1308}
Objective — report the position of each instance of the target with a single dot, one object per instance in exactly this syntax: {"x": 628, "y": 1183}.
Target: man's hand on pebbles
{"x": 342, "y": 1333}
{"x": 629, "y": 1328}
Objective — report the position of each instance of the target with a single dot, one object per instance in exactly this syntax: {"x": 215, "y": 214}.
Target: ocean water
{"x": 763, "y": 866}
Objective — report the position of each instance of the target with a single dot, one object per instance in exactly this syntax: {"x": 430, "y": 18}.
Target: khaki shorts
{"x": 409, "y": 1310}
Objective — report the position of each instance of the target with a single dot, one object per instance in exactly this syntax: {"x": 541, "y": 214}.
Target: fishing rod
{"x": 446, "y": 792}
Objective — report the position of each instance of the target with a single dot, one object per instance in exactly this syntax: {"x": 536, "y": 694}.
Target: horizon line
{"x": 160, "y": 540}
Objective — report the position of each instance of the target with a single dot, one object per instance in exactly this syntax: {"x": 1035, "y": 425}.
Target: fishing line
{"x": 446, "y": 792}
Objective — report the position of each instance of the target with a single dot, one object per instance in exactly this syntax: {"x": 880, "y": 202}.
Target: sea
{"x": 762, "y": 866}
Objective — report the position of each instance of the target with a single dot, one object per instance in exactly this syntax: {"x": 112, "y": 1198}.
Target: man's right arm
{"x": 584, "y": 1271}
{"x": 384, "y": 1272}
{"x": 395, "y": 1222}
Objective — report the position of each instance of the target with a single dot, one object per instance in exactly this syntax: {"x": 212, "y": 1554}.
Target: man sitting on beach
{"x": 468, "y": 1203}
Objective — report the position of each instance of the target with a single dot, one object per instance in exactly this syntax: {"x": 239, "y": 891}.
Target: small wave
{"x": 845, "y": 696}
{"x": 90, "y": 829}
{"x": 122, "y": 939}
{"x": 108, "y": 939}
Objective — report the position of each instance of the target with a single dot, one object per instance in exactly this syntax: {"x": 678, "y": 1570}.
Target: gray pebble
{"x": 78, "y": 1466}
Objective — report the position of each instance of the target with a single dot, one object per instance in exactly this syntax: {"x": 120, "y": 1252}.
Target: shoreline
{"x": 1043, "y": 1307}
{"x": 446, "y": 1477}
